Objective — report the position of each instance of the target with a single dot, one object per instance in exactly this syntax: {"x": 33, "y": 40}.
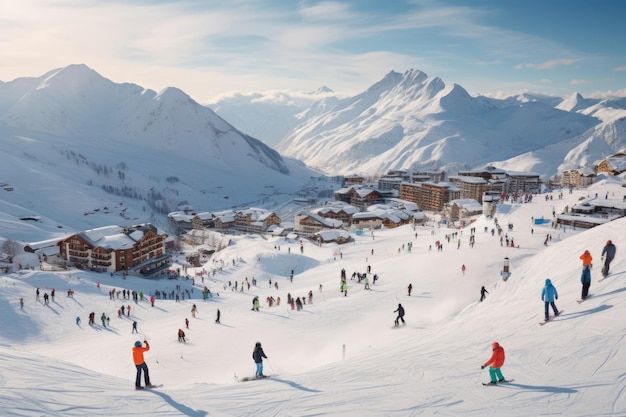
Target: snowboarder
{"x": 608, "y": 253}
{"x": 548, "y": 295}
{"x": 258, "y": 356}
{"x": 410, "y": 288}
{"x": 140, "y": 364}
{"x": 495, "y": 363}
{"x": 585, "y": 277}
{"x": 181, "y": 336}
{"x": 483, "y": 291}
{"x": 400, "y": 311}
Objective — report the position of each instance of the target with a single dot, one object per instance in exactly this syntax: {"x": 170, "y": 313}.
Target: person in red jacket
{"x": 140, "y": 364}
{"x": 495, "y": 363}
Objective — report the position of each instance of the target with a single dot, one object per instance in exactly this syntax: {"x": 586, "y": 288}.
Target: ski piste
{"x": 541, "y": 323}
{"x": 497, "y": 383}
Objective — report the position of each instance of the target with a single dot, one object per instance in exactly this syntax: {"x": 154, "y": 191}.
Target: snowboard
{"x": 252, "y": 378}
{"x": 541, "y": 323}
{"x": 501, "y": 382}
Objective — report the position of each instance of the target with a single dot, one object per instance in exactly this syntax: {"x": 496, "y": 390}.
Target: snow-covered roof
{"x": 468, "y": 204}
{"x": 331, "y": 235}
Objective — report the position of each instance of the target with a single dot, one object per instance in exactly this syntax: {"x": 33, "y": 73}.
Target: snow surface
{"x": 339, "y": 356}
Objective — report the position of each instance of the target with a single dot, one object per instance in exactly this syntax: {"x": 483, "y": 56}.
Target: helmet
{"x": 138, "y": 343}
{"x": 586, "y": 251}
{"x": 258, "y": 344}
{"x": 548, "y": 281}
{"x": 608, "y": 242}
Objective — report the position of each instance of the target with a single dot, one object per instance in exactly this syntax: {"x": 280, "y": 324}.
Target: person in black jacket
{"x": 258, "y": 356}
{"x": 400, "y": 311}
{"x": 608, "y": 253}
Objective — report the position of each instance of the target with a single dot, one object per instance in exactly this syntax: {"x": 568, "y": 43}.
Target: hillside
{"x": 74, "y": 140}
{"x": 431, "y": 366}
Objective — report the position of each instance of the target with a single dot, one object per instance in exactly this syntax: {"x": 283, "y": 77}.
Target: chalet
{"x": 331, "y": 236}
{"x": 311, "y": 223}
{"x": 139, "y": 249}
{"x": 463, "y": 209}
{"x": 353, "y": 180}
{"x": 379, "y": 216}
{"x": 255, "y": 220}
{"x": 337, "y": 210}
{"x": 593, "y": 212}
{"x": 361, "y": 196}
{"x": 614, "y": 164}
{"x": 224, "y": 219}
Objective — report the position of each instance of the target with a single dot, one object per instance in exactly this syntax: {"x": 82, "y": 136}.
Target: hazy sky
{"x": 208, "y": 47}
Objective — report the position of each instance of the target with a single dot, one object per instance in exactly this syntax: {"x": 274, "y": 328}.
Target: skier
{"x": 608, "y": 253}
{"x": 400, "y": 311}
{"x": 181, "y": 336}
{"x": 134, "y": 327}
{"x": 186, "y": 322}
{"x": 194, "y": 310}
{"x": 217, "y": 318}
{"x": 140, "y": 364}
{"x": 78, "y": 320}
{"x": 483, "y": 291}
{"x": 495, "y": 363}
{"x": 258, "y": 356}
{"x": 410, "y": 288}
{"x": 548, "y": 295}
{"x": 22, "y": 303}
{"x": 255, "y": 304}
{"x": 585, "y": 277}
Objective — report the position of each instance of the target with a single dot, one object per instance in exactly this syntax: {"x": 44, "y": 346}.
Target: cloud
{"x": 620, "y": 68}
{"x": 326, "y": 10}
{"x": 579, "y": 82}
{"x": 551, "y": 64}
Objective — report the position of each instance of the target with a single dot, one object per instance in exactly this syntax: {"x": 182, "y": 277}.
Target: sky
{"x": 340, "y": 355}
{"x": 210, "y": 48}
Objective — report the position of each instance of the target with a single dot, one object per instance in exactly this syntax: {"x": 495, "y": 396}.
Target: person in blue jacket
{"x": 548, "y": 295}
{"x": 258, "y": 356}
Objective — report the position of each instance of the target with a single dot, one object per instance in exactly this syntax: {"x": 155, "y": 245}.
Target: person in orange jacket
{"x": 495, "y": 363}
{"x": 585, "y": 277}
{"x": 140, "y": 364}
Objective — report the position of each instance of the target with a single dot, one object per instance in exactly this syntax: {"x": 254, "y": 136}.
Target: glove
{"x": 556, "y": 298}
{"x": 482, "y": 366}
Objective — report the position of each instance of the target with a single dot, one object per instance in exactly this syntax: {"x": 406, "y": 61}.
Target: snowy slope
{"x": 339, "y": 356}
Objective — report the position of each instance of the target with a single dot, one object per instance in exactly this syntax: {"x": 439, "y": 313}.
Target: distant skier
{"x": 608, "y": 253}
{"x": 548, "y": 295}
{"x": 258, "y": 356}
{"x": 78, "y": 320}
{"x": 140, "y": 364}
{"x": 134, "y": 327}
{"x": 400, "y": 311}
{"x": 495, "y": 362}
{"x": 483, "y": 291}
{"x": 410, "y": 288}
{"x": 217, "y": 318}
{"x": 585, "y": 277}
{"x": 181, "y": 336}
{"x": 255, "y": 304}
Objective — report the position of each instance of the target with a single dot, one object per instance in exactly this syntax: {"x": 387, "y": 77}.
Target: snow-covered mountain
{"x": 271, "y": 115}
{"x": 411, "y": 121}
{"x": 73, "y": 135}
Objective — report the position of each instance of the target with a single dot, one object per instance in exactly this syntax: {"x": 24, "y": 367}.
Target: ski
{"x": 541, "y": 323}
{"x": 252, "y": 378}
{"x": 499, "y": 382}
{"x": 148, "y": 387}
